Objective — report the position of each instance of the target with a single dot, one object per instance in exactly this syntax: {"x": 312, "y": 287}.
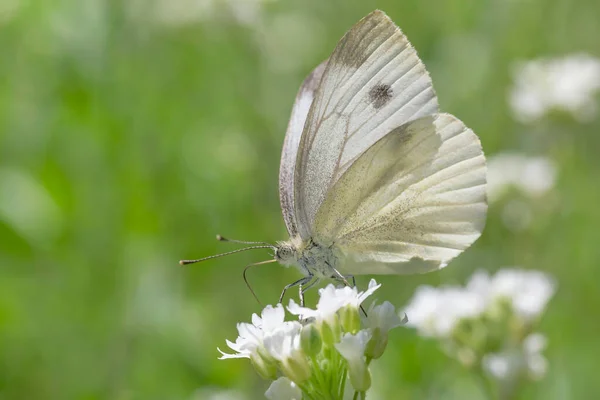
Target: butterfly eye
{"x": 284, "y": 252}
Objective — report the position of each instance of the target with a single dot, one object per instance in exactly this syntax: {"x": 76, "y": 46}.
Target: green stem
{"x": 342, "y": 383}
{"x": 355, "y": 396}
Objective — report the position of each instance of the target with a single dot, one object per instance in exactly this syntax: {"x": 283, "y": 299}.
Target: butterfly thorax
{"x": 309, "y": 256}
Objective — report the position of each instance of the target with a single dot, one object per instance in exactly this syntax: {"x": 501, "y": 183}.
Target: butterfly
{"x": 373, "y": 178}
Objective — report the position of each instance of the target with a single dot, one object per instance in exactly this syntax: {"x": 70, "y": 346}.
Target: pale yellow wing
{"x": 411, "y": 203}
{"x": 374, "y": 82}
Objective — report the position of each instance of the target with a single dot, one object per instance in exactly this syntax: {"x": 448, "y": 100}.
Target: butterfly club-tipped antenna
{"x": 254, "y": 246}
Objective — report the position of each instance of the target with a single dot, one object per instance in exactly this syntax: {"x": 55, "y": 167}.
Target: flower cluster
{"x": 520, "y": 181}
{"x": 315, "y": 357}
{"x": 490, "y": 323}
{"x": 568, "y": 84}
{"x": 532, "y": 176}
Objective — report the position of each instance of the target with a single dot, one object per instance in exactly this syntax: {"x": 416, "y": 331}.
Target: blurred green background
{"x": 131, "y": 132}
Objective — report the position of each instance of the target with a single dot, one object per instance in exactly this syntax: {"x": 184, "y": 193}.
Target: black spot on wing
{"x": 380, "y": 95}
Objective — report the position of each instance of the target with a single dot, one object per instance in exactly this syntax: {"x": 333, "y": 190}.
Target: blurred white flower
{"x": 283, "y": 389}
{"x": 534, "y": 176}
{"x": 435, "y": 312}
{"x": 537, "y": 365}
{"x": 510, "y": 363}
{"x": 568, "y": 83}
{"x": 500, "y": 365}
{"x": 382, "y": 316}
{"x": 251, "y": 336}
{"x": 332, "y": 299}
{"x": 527, "y": 291}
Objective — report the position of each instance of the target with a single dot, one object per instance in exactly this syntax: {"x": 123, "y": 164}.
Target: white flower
{"x": 251, "y": 335}
{"x": 352, "y": 348}
{"x": 569, "y": 83}
{"x": 528, "y": 291}
{"x": 537, "y": 365}
{"x": 283, "y": 389}
{"x": 283, "y": 342}
{"x": 382, "y": 316}
{"x": 332, "y": 299}
{"x": 533, "y": 176}
{"x": 379, "y": 320}
{"x": 510, "y": 363}
{"x": 500, "y": 365}
{"x": 435, "y": 312}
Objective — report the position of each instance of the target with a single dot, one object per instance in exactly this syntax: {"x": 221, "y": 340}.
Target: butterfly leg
{"x": 301, "y": 281}
{"x": 305, "y": 288}
{"x": 352, "y": 278}
{"x": 339, "y": 277}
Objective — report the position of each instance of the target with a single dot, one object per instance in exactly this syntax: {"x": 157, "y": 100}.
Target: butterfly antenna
{"x": 246, "y": 278}
{"x": 224, "y": 239}
{"x": 187, "y": 262}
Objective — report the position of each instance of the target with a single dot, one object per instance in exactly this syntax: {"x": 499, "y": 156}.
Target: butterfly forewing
{"x": 304, "y": 99}
{"x": 410, "y": 203}
{"x": 374, "y": 82}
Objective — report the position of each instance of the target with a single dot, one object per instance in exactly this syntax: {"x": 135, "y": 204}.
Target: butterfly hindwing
{"x": 410, "y": 203}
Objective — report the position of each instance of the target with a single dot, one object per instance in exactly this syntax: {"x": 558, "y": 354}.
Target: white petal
{"x": 499, "y": 365}
{"x": 529, "y": 291}
{"x": 295, "y": 309}
{"x": 272, "y": 317}
{"x": 383, "y": 316}
{"x": 283, "y": 389}
{"x": 352, "y": 347}
{"x": 537, "y": 366}
{"x": 225, "y": 356}
{"x": 535, "y": 343}
{"x": 373, "y": 286}
{"x": 284, "y": 341}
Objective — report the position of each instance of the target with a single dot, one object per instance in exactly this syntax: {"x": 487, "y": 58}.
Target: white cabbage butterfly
{"x": 373, "y": 179}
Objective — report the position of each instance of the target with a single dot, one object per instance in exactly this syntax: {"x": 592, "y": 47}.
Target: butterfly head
{"x": 286, "y": 253}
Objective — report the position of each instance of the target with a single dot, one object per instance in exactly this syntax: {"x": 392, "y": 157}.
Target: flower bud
{"x": 264, "y": 367}
{"x": 350, "y": 319}
{"x": 330, "y": 332}
{"x": 360, "y": 376}
{"x": 296, "y": 368}
{"x": 377, "y": 344}
{"x": 310, "y": 340}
